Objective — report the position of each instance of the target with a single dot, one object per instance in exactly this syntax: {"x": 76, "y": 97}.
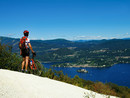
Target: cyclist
{"x": 26, "y": 52}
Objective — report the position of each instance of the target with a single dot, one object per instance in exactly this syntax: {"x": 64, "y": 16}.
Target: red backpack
{"x": 22, "y": 43}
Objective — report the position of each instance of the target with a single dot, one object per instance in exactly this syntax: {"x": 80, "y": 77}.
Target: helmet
{"x": 26, "y": 31}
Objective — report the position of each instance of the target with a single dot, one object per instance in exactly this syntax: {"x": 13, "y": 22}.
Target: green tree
{"x": 8, "y": 60}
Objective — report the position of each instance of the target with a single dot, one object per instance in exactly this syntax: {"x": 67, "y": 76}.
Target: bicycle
{"x": 34, "y": 66}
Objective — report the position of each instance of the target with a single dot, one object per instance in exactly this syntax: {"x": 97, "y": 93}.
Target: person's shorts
{"x": 25, "y": 52}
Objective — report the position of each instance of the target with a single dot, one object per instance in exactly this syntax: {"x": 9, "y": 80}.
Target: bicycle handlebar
{"x": 34, "y": 55}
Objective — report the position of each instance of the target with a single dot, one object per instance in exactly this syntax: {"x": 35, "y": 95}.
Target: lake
{"x": 118, "y": 73}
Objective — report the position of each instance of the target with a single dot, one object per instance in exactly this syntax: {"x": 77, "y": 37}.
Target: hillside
{"x": 20, "y": 85}
{"x": 92, "y": 52}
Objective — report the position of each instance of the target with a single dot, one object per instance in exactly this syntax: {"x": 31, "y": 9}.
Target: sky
{"x": 68, "y": 19}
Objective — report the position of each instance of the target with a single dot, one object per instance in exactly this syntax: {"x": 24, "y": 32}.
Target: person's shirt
{"x": 27, "y": 42}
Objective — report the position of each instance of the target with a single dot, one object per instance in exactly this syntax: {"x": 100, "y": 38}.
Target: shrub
{"x": 8, "y": 60}
{"x": 102, "y": 88}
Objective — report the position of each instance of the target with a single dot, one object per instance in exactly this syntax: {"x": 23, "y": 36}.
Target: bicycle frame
{"x": 32, "y": 63}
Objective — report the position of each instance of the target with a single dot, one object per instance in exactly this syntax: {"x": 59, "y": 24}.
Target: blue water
{"x": 118, "y": 74}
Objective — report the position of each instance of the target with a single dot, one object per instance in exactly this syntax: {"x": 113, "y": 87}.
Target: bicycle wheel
{"x": 39, "y": 67}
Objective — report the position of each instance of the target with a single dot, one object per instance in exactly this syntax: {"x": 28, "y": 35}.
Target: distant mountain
{"x": 43, "y": 45}
{"x": 10, "y": 41}
{"x": 79, "y": 40}
{"x": 126, "y": 38}
{"x": 115, "y": 44}
{"x": 62, "y": 43}
{"x": 58, "y": 45}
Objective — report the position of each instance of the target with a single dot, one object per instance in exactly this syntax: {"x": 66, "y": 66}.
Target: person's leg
{"x": 23, "y": 63}
{"x": 27, "y": 60}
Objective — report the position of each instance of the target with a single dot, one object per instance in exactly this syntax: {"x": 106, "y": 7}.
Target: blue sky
{"x": 68, "y": 19}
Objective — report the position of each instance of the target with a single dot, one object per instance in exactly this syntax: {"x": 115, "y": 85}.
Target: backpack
{"x": 22, "y": 43}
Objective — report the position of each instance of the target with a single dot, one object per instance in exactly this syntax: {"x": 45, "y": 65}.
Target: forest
{"x": 99, "y": 53}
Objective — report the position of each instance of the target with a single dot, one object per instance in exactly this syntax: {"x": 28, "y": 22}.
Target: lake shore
{"x": 86, "y": 65}
{"x": 78, "y": 66}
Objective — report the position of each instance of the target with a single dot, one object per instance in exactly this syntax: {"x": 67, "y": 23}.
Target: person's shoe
{"x": 22, "y": 70}
{"x": 26, "y": 71}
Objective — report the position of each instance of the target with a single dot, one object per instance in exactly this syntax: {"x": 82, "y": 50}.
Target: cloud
{"x": 42, "y": 39}
{"x": 90, "y": 37}
{"x": 33, "y": 38}
{"x": 10, "y": 34}
{"x": 125, "y": 35}
{"x": 37, "y": 39}
{"x": 99, "y": 37}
